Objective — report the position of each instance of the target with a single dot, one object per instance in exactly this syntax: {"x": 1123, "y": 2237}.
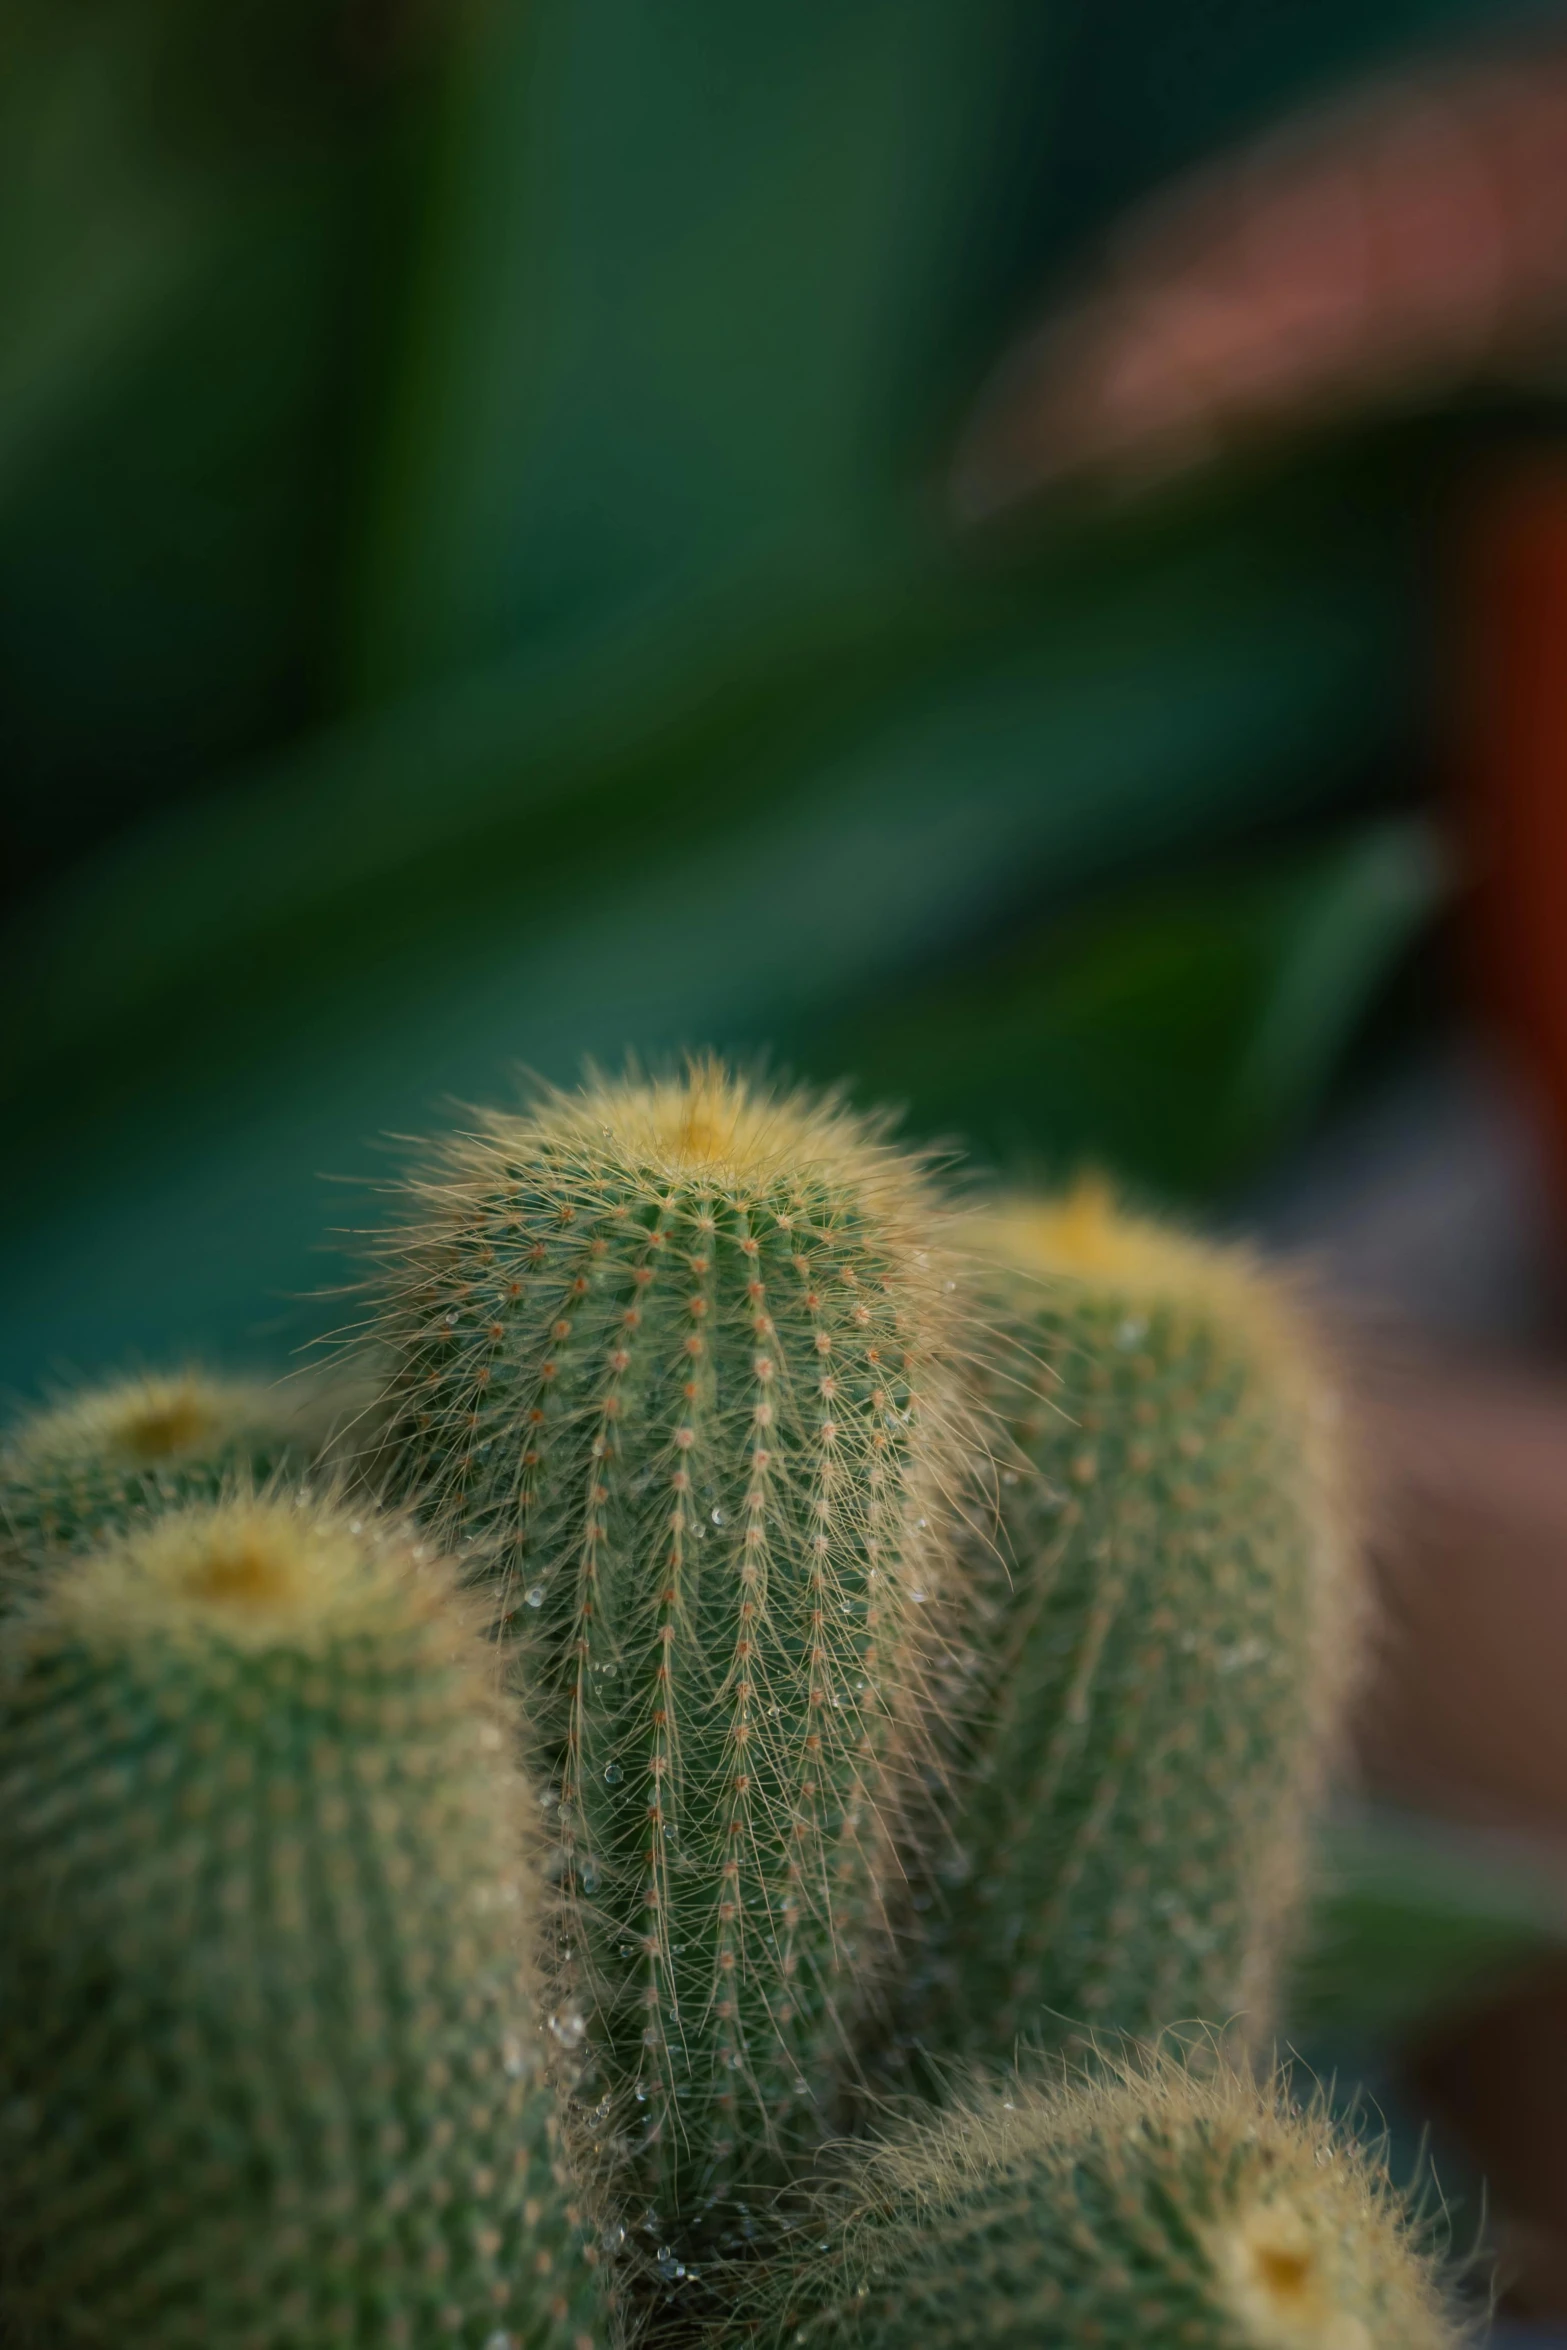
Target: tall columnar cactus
{"x": 1151, "y": 2212}
{"x": 671, "y": 1358}
{"x": 1164, "y": 1630}
{"x": 102, "y": 1461}
{"x": 268, "y": 2074}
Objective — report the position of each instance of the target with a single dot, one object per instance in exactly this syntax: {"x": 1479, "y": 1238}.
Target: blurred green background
{"x": 478, "y": 589}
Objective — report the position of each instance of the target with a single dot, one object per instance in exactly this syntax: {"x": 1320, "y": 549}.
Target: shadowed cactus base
{"x": 100, "y": 1462}
{"x": 1164, "y": 1632}
{"x": 268, "y": 2074}
{"x": 671, "y": 1359}
{"x": 1146, "y": 2212}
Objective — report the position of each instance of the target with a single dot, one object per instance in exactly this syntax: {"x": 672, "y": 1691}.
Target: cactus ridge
{"x": 1164, "y": 1633}
{"x": 671, "y": 1360}
{"x": 269, "y": 2074}
{"x": 99, "y": 1462}
{"x": 1143, "y": 2209}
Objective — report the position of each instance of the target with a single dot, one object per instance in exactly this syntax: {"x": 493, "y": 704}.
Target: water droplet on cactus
{"x": 612, "y": 2236}
{"x": 534, "y": 1595}
{"x": 613, "y": 1774}
{"x": 669, "y": 2268}
{"x": 588, "y": 1878}
{"x": 450, "y": 1318}
{"x": 568, "y": 2027}
{"x": 717, "y": 1517}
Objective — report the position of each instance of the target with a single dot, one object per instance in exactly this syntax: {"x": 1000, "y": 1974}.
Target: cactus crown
{"x": 1142, "y": 2207}
{"x": 671, "y": 1358}
{"x": 254, "y": 1573}
{"x": 104, "y": 1460}
{"x": 1087, "y": 1236}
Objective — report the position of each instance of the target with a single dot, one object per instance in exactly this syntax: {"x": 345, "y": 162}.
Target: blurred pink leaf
{"x": 1390, "y": 247}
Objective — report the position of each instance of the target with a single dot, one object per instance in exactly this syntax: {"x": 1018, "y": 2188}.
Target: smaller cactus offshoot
{"x": 103, "y": 1461}
{"x": 1165, "y": 1625}
{"x": 1147, "y": 2211}
{"x": 269, "y": 2076}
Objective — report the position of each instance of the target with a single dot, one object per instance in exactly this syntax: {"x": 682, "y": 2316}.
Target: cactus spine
{"x": 268, "y": 2079}
{"x": 114, "y": 1456}
{"x": 1153, "y": 2211}
{"x": 1164, "y": 1633}
{"x": 671, "y": 1360}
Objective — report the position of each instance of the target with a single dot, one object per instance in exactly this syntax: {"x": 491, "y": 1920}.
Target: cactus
{"x": 1164, "y": 1633}
{"x": 670, "y": 1358}
{"x": 268, "y": 2078}
{"x": 101, "y": 1461}
{"x": 1149, "y": 2210}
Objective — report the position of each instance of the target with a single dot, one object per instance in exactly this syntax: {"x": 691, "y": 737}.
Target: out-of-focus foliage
{"x": 1181, "y": 1029}
{"x": 1414, "y": 1919}
{"x": 475, "y": 588}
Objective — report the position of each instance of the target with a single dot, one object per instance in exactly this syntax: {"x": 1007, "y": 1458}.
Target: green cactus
{"x": 1165, "y": 1629}
{"x": 268, "y": 2075}
{"x": 100, "y": 1462}
{"x": 671, "y": 1359}
{"x": 1149, "y": 2211}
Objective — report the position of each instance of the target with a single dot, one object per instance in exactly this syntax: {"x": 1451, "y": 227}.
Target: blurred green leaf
{"x": 191, "y": 208}
{"x": 1416, "y": 1918}
{"x": 678, "y": 275}
{"x": 725, "y": 833}
{"x": 1176, "y": 1033}
{"x": 97, "y": 231}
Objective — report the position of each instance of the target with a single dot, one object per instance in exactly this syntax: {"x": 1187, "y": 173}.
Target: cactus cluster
{"x": 785, "y": 1645}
